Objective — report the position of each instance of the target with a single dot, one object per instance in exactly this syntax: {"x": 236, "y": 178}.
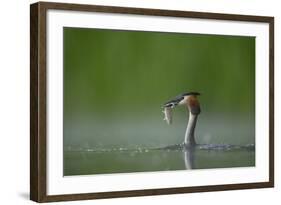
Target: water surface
{"x": 176, "y": 157}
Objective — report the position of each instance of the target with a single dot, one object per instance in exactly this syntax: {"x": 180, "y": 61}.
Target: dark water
{"x": 176, "y": 157}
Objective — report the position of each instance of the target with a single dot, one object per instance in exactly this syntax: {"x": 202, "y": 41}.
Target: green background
{"x": 115, "y": 83}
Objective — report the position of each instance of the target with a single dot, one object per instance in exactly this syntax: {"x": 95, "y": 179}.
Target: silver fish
{"x": 168, "y": 115}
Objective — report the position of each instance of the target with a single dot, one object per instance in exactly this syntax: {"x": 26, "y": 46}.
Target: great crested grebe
{"x": 190, "y": 101}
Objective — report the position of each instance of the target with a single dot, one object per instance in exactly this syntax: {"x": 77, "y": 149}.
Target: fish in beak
{"x": 188, "y": 99}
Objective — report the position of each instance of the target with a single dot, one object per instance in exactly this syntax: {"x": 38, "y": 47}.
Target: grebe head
{"x": 188, "y": 99}
{"x": 191, "y": 101}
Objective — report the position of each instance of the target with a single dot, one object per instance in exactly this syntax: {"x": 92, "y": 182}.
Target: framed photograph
{"x": 134, "y": 102}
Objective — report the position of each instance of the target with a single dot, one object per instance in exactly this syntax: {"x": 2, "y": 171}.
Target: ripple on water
{"x": 175, "y": 147}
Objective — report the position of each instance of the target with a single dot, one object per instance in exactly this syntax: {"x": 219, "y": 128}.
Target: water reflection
{"x": 212, "y": 153}
{"x": 188, "y": 156}
{"x": 140, "y": 159}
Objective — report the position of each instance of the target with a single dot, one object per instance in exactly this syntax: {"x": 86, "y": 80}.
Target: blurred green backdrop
{"x": 115, "y": 83}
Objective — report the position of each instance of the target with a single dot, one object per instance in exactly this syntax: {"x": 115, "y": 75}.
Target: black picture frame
{"x": 38, "y": 100}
